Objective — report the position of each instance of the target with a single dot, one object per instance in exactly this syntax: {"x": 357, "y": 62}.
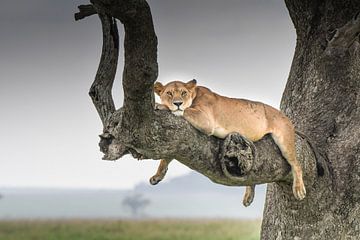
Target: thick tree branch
{"x": 141, "y": 68}
{"x": 233, "y": 161}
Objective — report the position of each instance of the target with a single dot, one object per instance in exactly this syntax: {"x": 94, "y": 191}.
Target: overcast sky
{"x": 49, "y": 127}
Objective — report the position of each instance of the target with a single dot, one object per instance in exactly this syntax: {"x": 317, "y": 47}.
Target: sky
{"x": 49, "y": 127}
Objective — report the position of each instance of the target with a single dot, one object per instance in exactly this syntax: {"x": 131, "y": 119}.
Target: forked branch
{"x": 138, "y": 129}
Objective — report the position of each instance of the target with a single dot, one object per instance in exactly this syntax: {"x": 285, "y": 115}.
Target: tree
{"x": 136, "y": 202}
{"x": 321, "y": 97}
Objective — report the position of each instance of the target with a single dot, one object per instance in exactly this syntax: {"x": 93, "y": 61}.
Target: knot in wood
{"x": 237, "y": 155}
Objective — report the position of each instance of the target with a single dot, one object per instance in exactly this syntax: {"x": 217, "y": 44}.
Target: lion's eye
{"x": 183, "y": 93}
{"x": 169, "y": 94}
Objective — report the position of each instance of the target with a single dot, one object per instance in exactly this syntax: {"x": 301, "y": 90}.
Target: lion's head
{"x": 176, "y": 95}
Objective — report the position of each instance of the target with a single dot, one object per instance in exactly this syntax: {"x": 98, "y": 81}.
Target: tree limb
{"x": 141, "y": 67}
{"x": 100, "y": 90}
{"x": 233, "y": 161}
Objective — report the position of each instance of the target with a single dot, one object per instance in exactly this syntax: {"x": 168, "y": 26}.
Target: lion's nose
{"x": 178, "y": 104}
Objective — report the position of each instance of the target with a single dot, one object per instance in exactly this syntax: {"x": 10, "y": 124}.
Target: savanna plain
{"x": 150, "y": 229}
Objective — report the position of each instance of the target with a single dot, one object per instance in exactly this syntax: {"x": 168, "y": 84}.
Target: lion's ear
{"x": 191, "y": 84}
{"x": 158, "y": 88}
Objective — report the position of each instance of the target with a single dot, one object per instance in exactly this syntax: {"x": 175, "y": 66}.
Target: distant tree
{"x": 136, "y": 203}
{"x": 322, "y": 98}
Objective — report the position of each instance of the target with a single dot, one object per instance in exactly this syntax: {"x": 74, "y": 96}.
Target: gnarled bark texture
{"x": 321, "y": 97}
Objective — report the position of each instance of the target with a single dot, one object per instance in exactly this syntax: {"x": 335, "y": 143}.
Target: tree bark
{"x": 321, "y": 97}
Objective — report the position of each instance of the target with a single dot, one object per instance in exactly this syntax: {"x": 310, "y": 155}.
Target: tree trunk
{"x": 321, "y": 97}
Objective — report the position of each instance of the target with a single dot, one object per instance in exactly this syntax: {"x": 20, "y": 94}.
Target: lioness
{"x": 217, "y": 115}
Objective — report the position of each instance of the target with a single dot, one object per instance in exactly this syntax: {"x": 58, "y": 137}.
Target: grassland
{"x": 130, "y": 230}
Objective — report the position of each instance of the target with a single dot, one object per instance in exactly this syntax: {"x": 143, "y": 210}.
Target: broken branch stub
{"x": 85, "y": 11}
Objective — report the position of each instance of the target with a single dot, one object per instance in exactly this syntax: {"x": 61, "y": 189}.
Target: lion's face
{"x": 176, "y": 95}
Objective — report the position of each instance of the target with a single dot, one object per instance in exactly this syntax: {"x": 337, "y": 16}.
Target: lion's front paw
{"x": 159, "y": 106}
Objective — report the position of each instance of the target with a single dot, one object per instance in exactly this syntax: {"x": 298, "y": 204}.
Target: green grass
{"x": 163, "y": 229}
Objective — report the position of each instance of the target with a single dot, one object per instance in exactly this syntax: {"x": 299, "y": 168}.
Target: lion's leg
{"x": 249, "y": 195}
{"x": 286, "y": 143}
{"x": 199, "y": 120}
{"x": 161, "y": 172}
